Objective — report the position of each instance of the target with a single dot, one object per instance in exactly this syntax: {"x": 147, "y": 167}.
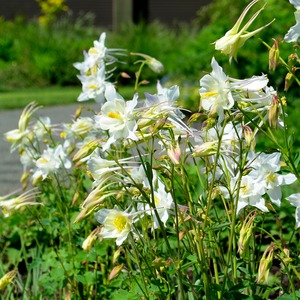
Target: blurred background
{"x": 41, "y": 39}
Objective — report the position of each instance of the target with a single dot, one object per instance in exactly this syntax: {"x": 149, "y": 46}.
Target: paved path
{"x": 10, "y": 166}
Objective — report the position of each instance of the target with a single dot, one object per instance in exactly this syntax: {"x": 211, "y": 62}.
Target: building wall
{"x": 166, "y": 11}
{"x": 174, "y": 11}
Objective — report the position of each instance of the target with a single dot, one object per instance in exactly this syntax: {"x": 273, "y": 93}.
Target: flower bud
{"x": 7, "y": 279}
{"x": 89, "y": 241}
{"x": 86, "y": 150}
{"x": 274, "y": 56}
{"x": 206, "y": 149}
{"x": 115, "y": 271}
{"x": 265, "y": 265}
{"x": 289, "y": 78}
{"x": 174, "y": 154}
{"x": 245, "y": 235}
{"x": 155, "y": 65}
{"x": 274, "y": 112}
{"x": 249, "y": 136}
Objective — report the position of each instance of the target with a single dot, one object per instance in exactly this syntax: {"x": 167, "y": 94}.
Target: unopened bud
{"x": 292, "y": 59}
{"x": 7, "y": 279}
{"x": 289, "y": 78}
{"x": 117, "y": 254}
{"x": 124, "y": 75}
{"x": 274, "y": 112}
{"x": 245, "y": 234}
{"x": 86, "y": 150}
{"x": 89, "y": 241}
{"x": 206, "y": 149}
{"x": 274, "y": 56}
{"x": 78, "y": 112}
{"x": 249, "y": 136}
{"x": 174, "y": 154}
{"x": 115, "y": 271}
{"x": 155, "y": 65}
{"x": 265, "y": 265}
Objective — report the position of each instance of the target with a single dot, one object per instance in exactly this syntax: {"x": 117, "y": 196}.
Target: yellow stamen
{"x": 156, "y": 200}
{"x": 114, "y": 115}
{"x": 92, "y": 86}
{"x": 120, "y": 223}
{"x": 43, "y": 160}
{"x": 209, "y": 94}
{"x": 245, "y": 189}
{"x": 271, "y": 177}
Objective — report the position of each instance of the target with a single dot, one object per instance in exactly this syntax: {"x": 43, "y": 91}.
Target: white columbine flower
{"x": 163, "y": 202}
{"x": 294, "y": 32}
{"x": 236, "y": 37}
{"x": 98, "y": 52}
{"x": 82, "y": 126}
{"x": 42, "y": 127}
{"x": 93, "y": 86}
{"x": 9, "y": 205}
{"x": 265, "y": 168}
{"x": 17, "y": 136}
{"x": 294, "y": 199}
{"x": 117, "y": 116}
{"x": 215, "y": 91}
{"x": 250, "y": 193}
{"x": 116, "y": 224}
{"x": 50, "y": 161}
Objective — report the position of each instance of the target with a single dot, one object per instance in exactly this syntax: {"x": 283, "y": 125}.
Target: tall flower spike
{"x": 235, "y": 39}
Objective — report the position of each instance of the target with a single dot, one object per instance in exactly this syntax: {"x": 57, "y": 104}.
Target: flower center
{"x": 93, "y": 50}
{"x": 156, "y": 200}
{"x": 245, "y": 189}
{"x": 209, "y": 94}
{"x": 114, "y": 115}
{"x": 43, "y": 160}
{"x": 271, "y": 178}
{"x": 92, "y": 86}
{"x": 120, "y": 223}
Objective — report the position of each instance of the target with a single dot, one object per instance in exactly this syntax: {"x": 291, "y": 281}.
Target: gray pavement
{"x": 10, "y": 166}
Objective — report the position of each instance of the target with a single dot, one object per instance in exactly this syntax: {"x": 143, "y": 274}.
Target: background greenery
{"x": 35, "y": 55}
{"x": 36, "y": 62}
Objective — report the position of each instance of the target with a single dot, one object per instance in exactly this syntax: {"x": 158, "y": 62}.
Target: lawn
{"x": 54, "y": 95}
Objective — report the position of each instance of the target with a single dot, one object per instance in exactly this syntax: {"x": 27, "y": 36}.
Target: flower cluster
{"x": 93, "y": 70}
{"x": 158, "y": 182}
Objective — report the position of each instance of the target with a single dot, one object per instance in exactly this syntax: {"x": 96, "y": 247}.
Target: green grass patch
{"x": 55, "y": 95}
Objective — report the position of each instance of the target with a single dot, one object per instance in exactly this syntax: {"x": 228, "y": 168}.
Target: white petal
{"x": 294, "y": 199}
{"x": 289, "y": 178}
{"x": 294, "y": 32}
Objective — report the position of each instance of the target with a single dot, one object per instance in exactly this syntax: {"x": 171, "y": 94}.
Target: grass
{"x": 54, "y": 95}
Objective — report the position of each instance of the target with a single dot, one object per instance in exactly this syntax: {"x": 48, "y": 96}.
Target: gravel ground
{"x": 10, "y": 166}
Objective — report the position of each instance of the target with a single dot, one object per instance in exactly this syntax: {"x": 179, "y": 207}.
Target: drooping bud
{"x": 274, "y": 56}
{"x": 265, "y": 265}
{"x": 174, "y": 154}
{"x": 274, "y": 112}
{"x": 289, "y": 78}
{"x": 154, "y": 64}
{"x": 89, "y": 241}
{"x": 249, "y": 136}
{"x": 7, "y": 279}
{"x": 115, "y": 271}
{"x": 245, "y": 234}
{"x": 86, "y": 150}
{"x": 206, "y": 149}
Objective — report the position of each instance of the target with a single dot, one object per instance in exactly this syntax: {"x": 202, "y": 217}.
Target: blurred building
{"x": 110, "y": 13}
